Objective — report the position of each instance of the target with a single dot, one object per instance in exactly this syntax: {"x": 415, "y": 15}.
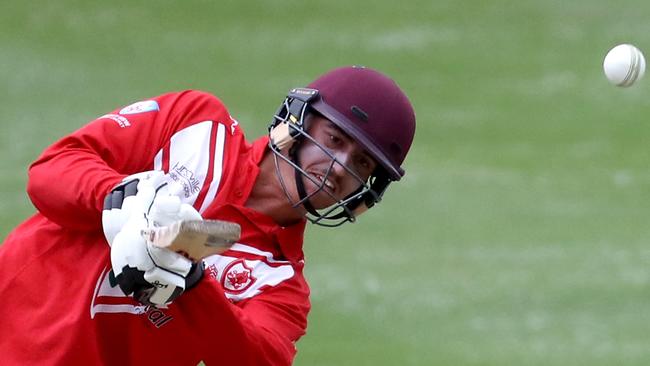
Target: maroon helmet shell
{"x": 372, "y": 109}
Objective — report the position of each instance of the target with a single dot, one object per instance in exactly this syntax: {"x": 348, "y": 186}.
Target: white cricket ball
{"x": 624, "y": 65}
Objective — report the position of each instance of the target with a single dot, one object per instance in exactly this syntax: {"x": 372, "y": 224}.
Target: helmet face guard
{"x": 371, "y": 109}
{"x": 288, "y": 130}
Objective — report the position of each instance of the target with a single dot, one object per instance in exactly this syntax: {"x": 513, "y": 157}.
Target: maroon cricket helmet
{"x": 372, "y": 109}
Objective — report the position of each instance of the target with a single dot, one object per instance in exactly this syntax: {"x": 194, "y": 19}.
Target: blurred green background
{"x": 519, "y": 235}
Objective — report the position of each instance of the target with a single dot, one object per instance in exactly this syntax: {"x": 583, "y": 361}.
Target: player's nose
{"x": 343, "y": 160}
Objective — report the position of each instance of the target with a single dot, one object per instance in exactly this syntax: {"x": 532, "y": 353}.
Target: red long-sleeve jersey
{"x": 59, "y": 302}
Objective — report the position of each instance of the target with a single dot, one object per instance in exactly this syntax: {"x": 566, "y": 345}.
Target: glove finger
{"x": 107, "y": 201}
{"x": 170, "y": 203}
{"x": 167, "y": 204}
{"x": 117, "y": 197}
{"x": 176, "y": 188}
{"x": 170, "y": 261}
{"x": 164, "y": 210}
{"x": 131, "y": 189}
{"x": 111, "y": 225}
{"x": 119, "y": 193}
{"x": 156, "y": 178}
{"x": 130, "y": 249}
{"x": 188, "y": 212}
{"x": 113, "y": 220}
{"x": 128, "y": 206}
{"x": 144, "y": 198}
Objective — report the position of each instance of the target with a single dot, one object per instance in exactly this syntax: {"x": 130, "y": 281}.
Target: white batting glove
{"x": 153, "y": 275}
{"x": 121, "y": 202}
{"x": 167, "y": 209}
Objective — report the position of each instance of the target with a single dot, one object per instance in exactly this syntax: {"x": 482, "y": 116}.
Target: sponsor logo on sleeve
{"x": 141, "y": 107}
{"x": 121, "y": 121}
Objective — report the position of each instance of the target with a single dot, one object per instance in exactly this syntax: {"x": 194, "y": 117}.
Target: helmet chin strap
{"x": 300, "y": 186}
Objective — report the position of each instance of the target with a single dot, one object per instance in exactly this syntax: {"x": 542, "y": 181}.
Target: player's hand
{"x": 153, "y": 275}
{"x": 121, "y": 202}
{"x": 167, "y": 209}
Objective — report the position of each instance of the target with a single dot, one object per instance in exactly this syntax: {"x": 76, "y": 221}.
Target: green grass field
{"x": 520, "y": 234}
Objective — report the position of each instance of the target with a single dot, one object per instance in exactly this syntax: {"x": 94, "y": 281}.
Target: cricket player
{"x": 81, "y": 285}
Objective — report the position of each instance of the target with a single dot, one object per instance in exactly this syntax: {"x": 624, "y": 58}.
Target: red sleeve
{"x": 69, "y": 181}
{"x": 259, "y": 331}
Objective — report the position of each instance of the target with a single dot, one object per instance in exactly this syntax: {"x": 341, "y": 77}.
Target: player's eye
{"x": 364, "y": 166}
{"x": 335, "y": 140}
{"x": 364, "y": 163}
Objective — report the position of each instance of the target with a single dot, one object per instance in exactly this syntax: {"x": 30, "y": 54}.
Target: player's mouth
{"x": 324, "y": 182}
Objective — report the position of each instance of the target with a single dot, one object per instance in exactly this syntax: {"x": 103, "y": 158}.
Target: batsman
{"x": 163, "y": 237}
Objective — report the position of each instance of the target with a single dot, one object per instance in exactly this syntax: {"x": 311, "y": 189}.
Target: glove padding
{"x": 121, "y": 202}
{"x": 155, "y": 276}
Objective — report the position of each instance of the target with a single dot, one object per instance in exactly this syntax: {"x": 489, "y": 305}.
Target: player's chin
{"x": 322, "y": 199}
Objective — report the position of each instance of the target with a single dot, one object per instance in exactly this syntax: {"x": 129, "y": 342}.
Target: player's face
{"x": 336, "y": 164}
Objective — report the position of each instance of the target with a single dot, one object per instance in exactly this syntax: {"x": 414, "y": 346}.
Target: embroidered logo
{"x": 186, "y": 178}
{"x": 213, "y": 271}
{"x": 121, "y": 121}
{"x": 238, "y": 277}
{"x": 141, "y": 107}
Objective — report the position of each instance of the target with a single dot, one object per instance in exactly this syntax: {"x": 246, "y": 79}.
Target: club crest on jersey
{"x": 141, "y": 107}
{"x": 237, "y": 277}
